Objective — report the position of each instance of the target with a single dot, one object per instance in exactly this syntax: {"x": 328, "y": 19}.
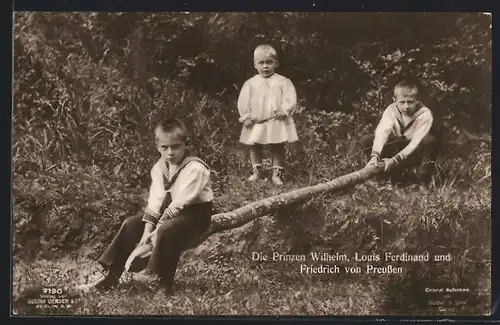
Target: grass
{"x": 219, "y": 277}
{"x": 212, "y": 292}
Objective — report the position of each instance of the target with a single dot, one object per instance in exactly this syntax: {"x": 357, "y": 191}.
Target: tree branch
{"x": 241, "y": 216}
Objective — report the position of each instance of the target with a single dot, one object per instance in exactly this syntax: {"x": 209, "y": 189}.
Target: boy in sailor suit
{"x": 402, "y": 137}
{"x": 179, "y": 209}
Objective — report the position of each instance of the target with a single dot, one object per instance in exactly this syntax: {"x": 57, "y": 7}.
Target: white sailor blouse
{"x": 191, "y": 184}
{"x": 393, "y": 122}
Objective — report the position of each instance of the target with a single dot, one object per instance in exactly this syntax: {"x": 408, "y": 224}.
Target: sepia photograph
{"x": 251, "y": 164}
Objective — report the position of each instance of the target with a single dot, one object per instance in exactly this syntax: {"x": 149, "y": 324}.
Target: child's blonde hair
{"x": 265, "y": 49}
{"x": 408, "y": 85}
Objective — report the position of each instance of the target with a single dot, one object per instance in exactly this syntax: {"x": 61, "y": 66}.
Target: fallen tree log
{"x": 241, "y": 216}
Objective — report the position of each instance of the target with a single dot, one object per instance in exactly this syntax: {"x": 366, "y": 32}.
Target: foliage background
{"x": 88, "y": 87}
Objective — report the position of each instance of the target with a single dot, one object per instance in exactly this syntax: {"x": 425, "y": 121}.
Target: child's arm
{"x": 422, "y": 128}
{"x": 289, "y": 101}
{"x": 193, "y": 178}
{"x": 244, "y": 101}
{"x": 148, "y": 229}
{"x": 382, "y": 132}
{"x": 156, "y": 196}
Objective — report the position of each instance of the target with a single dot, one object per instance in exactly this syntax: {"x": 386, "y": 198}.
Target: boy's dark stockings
{"x": 172, "y": 238}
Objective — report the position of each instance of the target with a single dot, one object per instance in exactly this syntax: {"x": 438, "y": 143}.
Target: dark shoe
{"x": 164, "y": 293}
{"x": 168, "y": 291}
{"x": 107, "y": 282}
{"x": 165, "y": 290}
{"x": 167, "y": 287}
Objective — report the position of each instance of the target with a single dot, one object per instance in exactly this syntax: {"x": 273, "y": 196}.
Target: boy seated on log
{"x": 178, "y": 211}
{"x": 403, "y": 138}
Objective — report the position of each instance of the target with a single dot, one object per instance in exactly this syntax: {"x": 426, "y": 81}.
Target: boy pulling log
{"x": 403, "y": 136}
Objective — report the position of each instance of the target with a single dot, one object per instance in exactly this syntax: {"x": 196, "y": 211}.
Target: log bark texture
{"x": 251, "y": 211}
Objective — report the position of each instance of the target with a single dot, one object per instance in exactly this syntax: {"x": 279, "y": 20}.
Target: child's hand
{"x": 280, "y": 115}
{"x": 153, "y": 237}
{"x": 145, "y": 237}
{"x": 248, "y": 123}
{"x": 389, "y": 163}
{"x": 373, "y": 161}
{"x": 149, "y": 237}
{"x": 143, "y": 240}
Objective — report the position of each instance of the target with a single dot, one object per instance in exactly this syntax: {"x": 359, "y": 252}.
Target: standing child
{"x": 178, "y": 211}
{"x": 266, "y": 103}
{"x": 402, "y": 137}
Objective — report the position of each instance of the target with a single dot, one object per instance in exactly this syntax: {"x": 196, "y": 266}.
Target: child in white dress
{"x": 266, "y": 103}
